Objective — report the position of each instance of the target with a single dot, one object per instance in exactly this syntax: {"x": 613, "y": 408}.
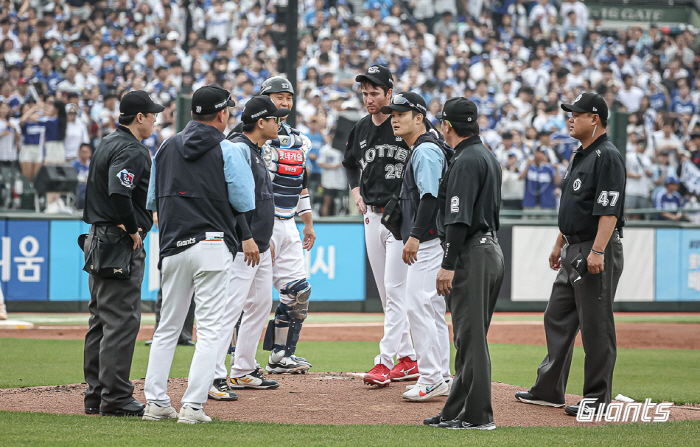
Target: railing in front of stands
{"x": 642, "y": 217}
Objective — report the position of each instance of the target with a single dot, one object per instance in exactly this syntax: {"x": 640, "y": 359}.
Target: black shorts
{"x": 333, "y": 193}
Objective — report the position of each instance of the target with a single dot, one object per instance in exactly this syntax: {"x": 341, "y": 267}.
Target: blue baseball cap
{"x": 671, "y": 180}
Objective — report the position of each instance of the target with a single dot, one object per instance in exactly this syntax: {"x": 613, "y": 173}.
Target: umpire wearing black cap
{"x": 115, "y": 205}
{"x": 472, "y": 267}
{"x": 588, "y": 255}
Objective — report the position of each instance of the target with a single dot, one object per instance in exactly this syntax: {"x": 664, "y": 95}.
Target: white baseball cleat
{"x": 189, "y": 415}
{"x": 445, "y": 393}
{"x": 155, "y": 412}
{"x": 424, "y": 392}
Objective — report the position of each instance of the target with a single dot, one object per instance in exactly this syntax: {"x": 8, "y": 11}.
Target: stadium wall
{"x": 40, "y": 266}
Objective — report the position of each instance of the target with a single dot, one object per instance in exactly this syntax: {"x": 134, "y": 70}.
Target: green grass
{"x": 662, "y": 375}
{"x": 26, "y": 429}
{"x": 48, "y": 319}
{"x": 669, "y": 375}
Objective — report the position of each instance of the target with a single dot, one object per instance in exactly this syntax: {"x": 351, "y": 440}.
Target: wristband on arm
{"x": 304, "y": 205}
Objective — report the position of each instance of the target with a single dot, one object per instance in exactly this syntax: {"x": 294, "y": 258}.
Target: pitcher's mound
{"x": 316, "y": 398}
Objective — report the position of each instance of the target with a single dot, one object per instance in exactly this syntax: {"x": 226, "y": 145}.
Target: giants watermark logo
{"x": 622, "y": 412}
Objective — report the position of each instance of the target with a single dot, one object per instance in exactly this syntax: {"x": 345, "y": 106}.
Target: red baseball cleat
{"x": 379, "y": 376}
{"x": 405, "y": 369}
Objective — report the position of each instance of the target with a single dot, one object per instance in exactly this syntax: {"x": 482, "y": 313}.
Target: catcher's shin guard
{"x": 282, "y": 332}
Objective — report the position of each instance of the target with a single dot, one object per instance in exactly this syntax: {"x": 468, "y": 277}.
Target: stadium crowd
{"x": 64, "y": 66}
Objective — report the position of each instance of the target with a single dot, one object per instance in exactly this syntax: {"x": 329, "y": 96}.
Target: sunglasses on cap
{"x": 399, "y": 100}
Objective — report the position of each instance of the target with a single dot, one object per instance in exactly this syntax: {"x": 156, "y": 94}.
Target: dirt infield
{"x": 629, "y": 335}
{"x": 319, "y": 398}
{"x": 341, "y": 398}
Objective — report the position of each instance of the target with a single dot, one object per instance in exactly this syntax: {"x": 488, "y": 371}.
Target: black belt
{"x": 376, "y": 209}
{"x": 577, "y": 238}
{"x": 104, "y": 225}
{"x": 580, "y": 238}
{"x": 482, "y": 233}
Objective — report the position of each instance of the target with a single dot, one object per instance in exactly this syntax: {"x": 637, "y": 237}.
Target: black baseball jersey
{"x": 380, "y": 155}
{"x": 470, "y": 191}
{"x": 594, "y": 186}
{"x": 120, "y": 165}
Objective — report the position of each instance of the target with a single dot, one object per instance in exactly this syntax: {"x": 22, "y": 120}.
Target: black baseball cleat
{"x": 133, "y": 408}
{"x": 456, "y": 424}
{"x": 92, "y": 410}
{"x": 433, "y": 421}
{"x": 186, "y": 343}
{"x": 528, "y": 398}
{"x": 148, "y": 342}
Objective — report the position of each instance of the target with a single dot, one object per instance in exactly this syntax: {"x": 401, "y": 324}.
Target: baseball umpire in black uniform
{"x": 588, "y": 255}
{"x": 472, "y": 268}
{"x": 115, "y": 205}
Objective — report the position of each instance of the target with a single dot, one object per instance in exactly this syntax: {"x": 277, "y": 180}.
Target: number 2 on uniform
{"x": 393, "y": 171}
{"x": 608, "y": 198}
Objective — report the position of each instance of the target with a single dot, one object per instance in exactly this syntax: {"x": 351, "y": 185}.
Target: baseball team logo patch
{"x": 126, "y": 178}
{"x": 367, "y": 220}
{"x": 578, "y": 98}
{"x": 577, "y": 184}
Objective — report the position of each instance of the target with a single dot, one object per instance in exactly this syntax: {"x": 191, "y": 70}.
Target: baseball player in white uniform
{"x": 285, "y": 157}
{"x": 250, "y": 290}
{"x": 374, "y": 162}
{"x": 422, "y": 250}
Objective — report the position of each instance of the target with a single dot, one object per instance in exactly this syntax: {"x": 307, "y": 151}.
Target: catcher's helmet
{"x": 276, "y": 84}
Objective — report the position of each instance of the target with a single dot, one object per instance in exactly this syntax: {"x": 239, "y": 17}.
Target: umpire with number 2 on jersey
{"x": 588, "y": 255}
{"x": 472, "y": 268}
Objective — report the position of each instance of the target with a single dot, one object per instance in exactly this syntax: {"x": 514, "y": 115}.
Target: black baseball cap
{"x": 589, "y": 103}
{"x": 405, "y": 101}
{"x": 261, "y": 107}
{"x": 378, "y": 75}
{"x": 138, "y": 101}
{"x": 211, "y": 99}
{"x": 458, "y": 110}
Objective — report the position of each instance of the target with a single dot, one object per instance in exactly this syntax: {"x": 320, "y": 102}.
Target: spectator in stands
{"x": 32, "y": 154}
{"x": 639, "y": 176}
{"x": 666, "y": 140}
{"x": 76, "y": 132}
{"x": 670, "y": 200}
{"x": 513, "y": 185}
{"x": 90, "y": 54}
{"x": 333, "y": 180}
{"x": 541, "y": 180}
{"x": 318, "y": 140}
{"x": 630, "y": 95}
{"x": 54, "y": 121}
{"x": 9, "y": 136}
{"x": 82, "y": 166}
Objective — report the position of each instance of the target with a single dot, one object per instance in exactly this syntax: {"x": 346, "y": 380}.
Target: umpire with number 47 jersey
{"x": 588, "y": 255}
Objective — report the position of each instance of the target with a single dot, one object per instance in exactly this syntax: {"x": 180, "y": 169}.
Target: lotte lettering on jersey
{"x": 381, "y": 158}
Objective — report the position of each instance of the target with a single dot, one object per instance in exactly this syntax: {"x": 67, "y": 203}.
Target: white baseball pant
{"x": 205, "y": 267}
{"x": 250, "y": 292}
{"x": 425, "y": 314}
{"x": 289, "y": 256}
{"x": 384, "y": 253}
